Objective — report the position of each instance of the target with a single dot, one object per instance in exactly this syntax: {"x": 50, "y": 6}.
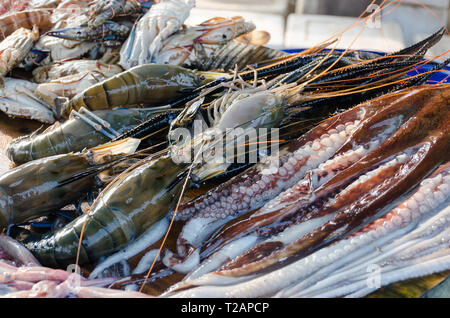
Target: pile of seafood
{"x": 194, "y": 161}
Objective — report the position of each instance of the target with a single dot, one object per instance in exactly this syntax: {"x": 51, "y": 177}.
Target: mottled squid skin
{"x": 403, "y": 238}
{"x": 404, "y": 243}
{"x": 346, "y": 138}
{"x": 120, "y": 214}
{"x": 34, "y": 189}
{"x": 414, "y": 150}
{"x": 25, "y": 19}
{"x": 253, "y": 188}
{"x": 73, "y": 135}
{"x": 150, "y": 84}
{"x": 15, "y": 47}
{"x": 410, "y": 124}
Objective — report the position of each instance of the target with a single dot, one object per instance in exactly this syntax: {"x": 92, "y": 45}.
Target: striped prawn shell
{"x": 15, "y": 47}
{"x": 236, "y": 53}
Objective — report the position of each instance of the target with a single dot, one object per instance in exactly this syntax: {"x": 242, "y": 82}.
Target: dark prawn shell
{"x": 74, "y": 135}
{"x": 122, "y": 212}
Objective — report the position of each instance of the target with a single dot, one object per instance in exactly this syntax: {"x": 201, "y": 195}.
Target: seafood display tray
{"x": 442, "y": 76}
{"x": 12, "y": 128}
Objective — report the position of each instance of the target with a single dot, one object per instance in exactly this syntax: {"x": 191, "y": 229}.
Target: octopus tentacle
{"x": 388, "y": 261}
{"x": 370, "y": 192}
{"x": 382, "y": 127}
{"x": 412, "y": 143}
{"x": 392, "y": 123}
{"x": 256, "y": 186}
{"x": 296, "y": 158}
{"x": 296, "y": 277}
{"x": 299, "y": 192}
{"x": 152, "y": 235}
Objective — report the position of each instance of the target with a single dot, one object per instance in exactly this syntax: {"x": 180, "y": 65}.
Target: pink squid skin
{"x": 43, "y": 289}
{"x": 23, "y": 276}
{"x": 201, "y": 206}
{"x": 422, "y": 141}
